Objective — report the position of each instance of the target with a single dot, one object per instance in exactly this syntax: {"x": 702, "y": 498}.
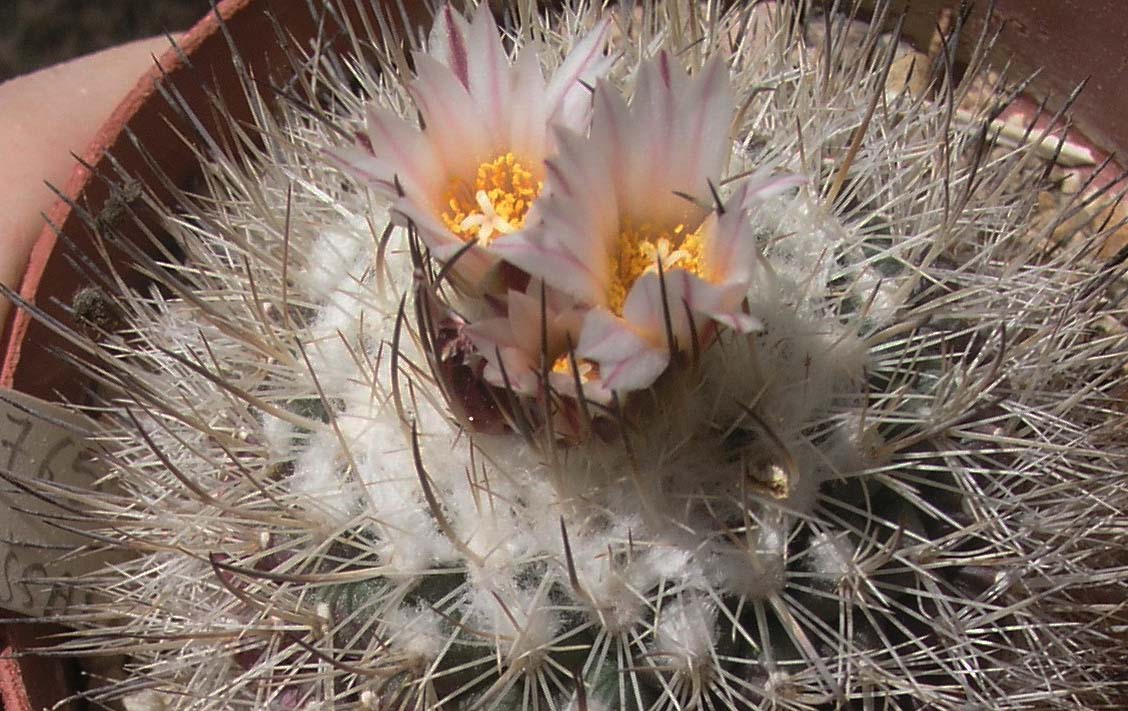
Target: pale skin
{"x": 44, "y": 118}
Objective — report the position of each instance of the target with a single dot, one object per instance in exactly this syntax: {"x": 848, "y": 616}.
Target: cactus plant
{"x": 632, "y": 358}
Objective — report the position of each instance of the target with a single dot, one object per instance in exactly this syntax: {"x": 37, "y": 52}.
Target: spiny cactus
{"x": 408, "y": 427}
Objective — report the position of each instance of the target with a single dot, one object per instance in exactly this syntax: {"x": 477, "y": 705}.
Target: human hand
{"x": 44, "y": 118}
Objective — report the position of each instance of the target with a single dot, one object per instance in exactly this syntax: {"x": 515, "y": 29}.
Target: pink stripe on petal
{"x": 444, "y": 104}
{"x": 730, "y": 247}
{"x": 448, "y": 42}
{"x": 569, "y": 170}
{"x": 626, "y": 360}
{"x": 731, "y": 251}
{"x": 571, "y": 226}
{"x": 643, "y": 305}
{"x": 558, "y": 267}
{"x": 580, "y": 182}
{"x": 405, "y": 150}
{"x": 361, "y": 165}
{"x": 558, "y": 178}
{"x": 364, "y": 143}
{"x": 771, "y": 187}
{"x": 566, "y": 98}
{"x": 637, "y": 372}
{"x": 605, "y": 337}
{"x": 655, "y": 102}
{"x": 720, "y": 302}
{"x": 739, "y": 321}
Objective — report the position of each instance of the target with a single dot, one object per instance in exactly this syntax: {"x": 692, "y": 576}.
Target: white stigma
{"x": 487, "y": 221}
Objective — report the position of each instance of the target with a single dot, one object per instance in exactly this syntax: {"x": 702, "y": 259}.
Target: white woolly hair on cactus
{"x": 636, "y": 358}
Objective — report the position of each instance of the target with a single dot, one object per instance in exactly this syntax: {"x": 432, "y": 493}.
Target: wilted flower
{"x": 629, "y": 223}
{"x": 475, "y": 167}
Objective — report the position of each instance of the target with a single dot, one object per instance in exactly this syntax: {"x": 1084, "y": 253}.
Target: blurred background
{"x": 38, "y": 33}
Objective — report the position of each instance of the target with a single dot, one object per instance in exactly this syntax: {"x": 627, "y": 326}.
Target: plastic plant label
{"x": 41, "y": 449}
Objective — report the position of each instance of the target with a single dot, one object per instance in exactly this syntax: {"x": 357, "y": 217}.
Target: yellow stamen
{"x": 497, "y": 202}
{"x": 587, "y": 369}
{"x": 640, "y": 249}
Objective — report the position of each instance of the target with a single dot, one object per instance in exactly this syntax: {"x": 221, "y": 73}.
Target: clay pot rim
{"x": 200, "y": 65}
{"x": 171, "y": 62}
{"x": 33, "y": 682}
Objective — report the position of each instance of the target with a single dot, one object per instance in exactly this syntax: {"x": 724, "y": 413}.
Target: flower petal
{"x": 489, "y": 75}
{"x": 507, "y": 361}
{"x": 627, "y": 361}
{"x": 362, "y": 165}
{"x": 761, "y": 187}
{"x": 704, "y": 142}
{"x": 643, "y": 307}
{"x": 655, "y": 170}
{"x": 647, "y": 309}
{"x": 730, "y": 245}
{"x": 518, "y": 373}
{"x": 586, "y": 178}
{"x": 525, "y": 319}
{"x": 654, "y": 104}
{"x": 552, "y": 262}
{"x": 528, "y": 136}
{"x": 723, "y": 303}
{"x": 594, "y": 389}
{"x": 443, "y": 102}
{"x": 566, "y": 97}
{"x": 488, "y": 334}
{"x": 475, "y": 264}
{"x": 687, "y": 297}
{"x": 394, "y": 148}
{"x": 731, "y": 253}
{"x": 448, "y": 42}
{"x": 611, "y": 143}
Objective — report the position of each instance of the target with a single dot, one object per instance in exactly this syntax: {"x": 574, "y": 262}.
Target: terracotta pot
{"x": 28, "y": 682}
{"x": 1073, "y": 51}
{"x": 203, "y": 64}
{"x": 1054, "y": 33}
{"x": 1066, "y": 41}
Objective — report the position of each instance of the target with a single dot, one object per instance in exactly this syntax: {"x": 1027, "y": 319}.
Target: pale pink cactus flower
{"x": 630, "y": 223}
{"x": 475, "y": 167}
{"x": 536, "y": 337}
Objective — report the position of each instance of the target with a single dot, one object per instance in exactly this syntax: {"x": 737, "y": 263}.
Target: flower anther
{"x": 624, "y": 226}
{"x": 641, "y": 249}
{"x": 470, "y": 169}
{"x": 496, "y": 204}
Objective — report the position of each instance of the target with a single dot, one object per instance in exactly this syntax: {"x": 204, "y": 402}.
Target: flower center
{"x": 587, "y": 370}
{"x": 640, "y": 251}
{"x": 497, "y": 202}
